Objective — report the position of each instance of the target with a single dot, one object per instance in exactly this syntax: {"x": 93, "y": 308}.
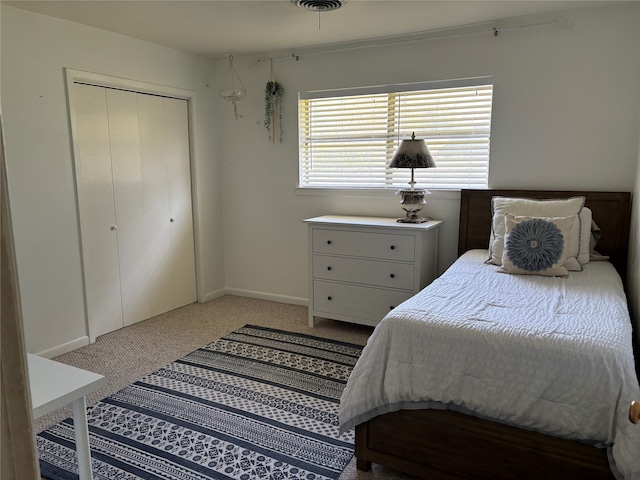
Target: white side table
{"x": 53, "y": 385}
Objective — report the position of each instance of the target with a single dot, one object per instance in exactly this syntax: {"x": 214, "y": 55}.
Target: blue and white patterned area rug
{"x": 257, "y": 404}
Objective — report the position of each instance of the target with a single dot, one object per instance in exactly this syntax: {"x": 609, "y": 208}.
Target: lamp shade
{"x": 412, "y": 153}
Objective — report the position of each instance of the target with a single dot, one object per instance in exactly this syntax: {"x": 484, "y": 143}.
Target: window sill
{"x": 371, "y": 192}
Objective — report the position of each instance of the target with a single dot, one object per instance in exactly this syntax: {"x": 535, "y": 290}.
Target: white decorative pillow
{"x": 534, "y": 208}
{"x": 585, "y": 236}
{"x": 536, "y": 245}
{"x": 596, "y": 233}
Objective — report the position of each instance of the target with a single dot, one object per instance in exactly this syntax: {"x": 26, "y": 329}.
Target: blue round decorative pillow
{"x": 534, "y": 245}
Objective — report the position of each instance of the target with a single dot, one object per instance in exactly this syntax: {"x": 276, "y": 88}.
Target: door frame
{"x": 109, "y": 81}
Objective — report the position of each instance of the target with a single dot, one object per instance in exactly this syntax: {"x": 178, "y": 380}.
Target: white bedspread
{"x": 545, "y": 353}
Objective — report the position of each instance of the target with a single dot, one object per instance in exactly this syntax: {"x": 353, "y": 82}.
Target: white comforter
{"x": 549, "y": 354}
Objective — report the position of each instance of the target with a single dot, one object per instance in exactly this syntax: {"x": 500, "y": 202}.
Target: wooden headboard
{"x": 611, "y": 212}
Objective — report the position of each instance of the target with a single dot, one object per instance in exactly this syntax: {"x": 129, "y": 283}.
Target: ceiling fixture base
{"x": 320, "y": 5}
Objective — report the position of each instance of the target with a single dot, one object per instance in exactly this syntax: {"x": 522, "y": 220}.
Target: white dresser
{"x": 362, "y": 267}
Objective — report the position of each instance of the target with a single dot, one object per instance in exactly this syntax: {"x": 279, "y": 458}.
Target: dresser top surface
{"x": 364, "y": 221}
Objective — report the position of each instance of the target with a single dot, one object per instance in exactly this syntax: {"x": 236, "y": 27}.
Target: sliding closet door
{"x": 181, "y": 216}
{"x": 96, "y": 208}
{"x": 139, "y": 148}
{"x": 155, "y": 188}
{"x": 129, "y": 203}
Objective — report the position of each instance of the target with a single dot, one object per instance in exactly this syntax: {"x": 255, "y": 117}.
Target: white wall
{"x": 565, "y": 117}
{"x": 633, "y": 275}
{"x": 35, "y": 51}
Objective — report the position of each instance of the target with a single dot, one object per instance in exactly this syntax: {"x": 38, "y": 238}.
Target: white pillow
{"x": 565, "y": 207}
{"x": 536, "y": 245}
{"x": 584, "y": 250}
{"x": 596, "y": 233}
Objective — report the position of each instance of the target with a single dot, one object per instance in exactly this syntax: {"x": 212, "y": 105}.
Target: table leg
{"x": 82, "y": 438}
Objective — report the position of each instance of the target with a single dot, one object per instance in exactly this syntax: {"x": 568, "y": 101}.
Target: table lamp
{"x": 412, "y": 154}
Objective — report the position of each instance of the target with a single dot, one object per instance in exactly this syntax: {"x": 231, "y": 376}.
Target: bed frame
{"x": 446, "y": 445}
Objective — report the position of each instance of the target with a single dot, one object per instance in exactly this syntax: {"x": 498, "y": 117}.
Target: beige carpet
{"x": 129, "y": 354}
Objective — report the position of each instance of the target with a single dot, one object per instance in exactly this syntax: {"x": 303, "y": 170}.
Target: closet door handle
{"x": 113, "y": 228}
{"x": 172, "y": 220}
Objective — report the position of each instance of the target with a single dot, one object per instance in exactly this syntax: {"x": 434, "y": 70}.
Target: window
{"x": 347, "y": 137}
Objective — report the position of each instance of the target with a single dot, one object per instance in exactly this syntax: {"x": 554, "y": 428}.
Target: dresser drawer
{"x": 361, "y": 270}
{"x": 382, "y": 246}
{"x": 355, "y": 301}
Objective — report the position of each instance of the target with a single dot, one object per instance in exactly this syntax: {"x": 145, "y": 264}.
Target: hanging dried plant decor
{"x": 273, "y": 107}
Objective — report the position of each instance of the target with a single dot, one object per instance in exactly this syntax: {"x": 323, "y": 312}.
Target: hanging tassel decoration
{"x": 273, "y": 107}
{"x": 232, "y": 88}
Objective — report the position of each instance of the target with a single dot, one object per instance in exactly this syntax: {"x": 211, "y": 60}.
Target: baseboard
{"x": 64, "y": 348}
{"x": 268, "y": 296}
{"x": 83, "y": 341}
{"x": 212, "y": 295}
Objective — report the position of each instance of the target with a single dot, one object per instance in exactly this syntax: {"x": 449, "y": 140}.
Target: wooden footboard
{"x": 444, "y": 445}
{"x": 634, "y": 412}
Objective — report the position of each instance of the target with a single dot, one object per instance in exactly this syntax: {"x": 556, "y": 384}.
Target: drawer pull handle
{"x": 393, "y": 275}
{"x": 393, "y": 247}
{"x": 328, "y": 268}
{"x": 328, "y": 298}
{"x": 328, "y": 242}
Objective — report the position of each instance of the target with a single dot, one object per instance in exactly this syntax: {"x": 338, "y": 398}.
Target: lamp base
{"x": 413, "y": 218}
{"x": 412, "y": 202}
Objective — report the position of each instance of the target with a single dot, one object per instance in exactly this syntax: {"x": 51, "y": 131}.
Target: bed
{"x": 404, "y": 422}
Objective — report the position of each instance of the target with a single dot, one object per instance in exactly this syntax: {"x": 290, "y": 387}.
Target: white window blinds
{"x": 348, "y": 137}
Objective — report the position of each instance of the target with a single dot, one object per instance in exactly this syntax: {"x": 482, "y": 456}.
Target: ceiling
{"x": 214, "y": 28}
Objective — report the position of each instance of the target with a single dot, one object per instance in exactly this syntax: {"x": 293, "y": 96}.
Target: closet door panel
{"x": 96, "y": 209}
{"x": 159, "y": 282}
{"x": 182, "y": 249}
{"x": 127, "y": 192}
{"x": 133, "y": 176}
